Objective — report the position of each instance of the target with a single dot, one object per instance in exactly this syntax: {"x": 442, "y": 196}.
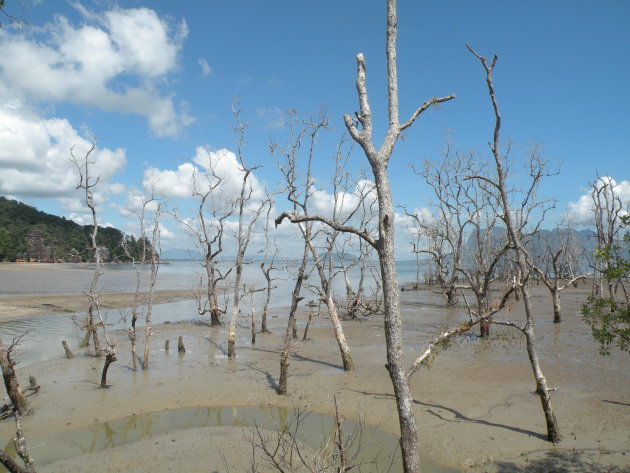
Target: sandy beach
{"x": 475, "y": 406}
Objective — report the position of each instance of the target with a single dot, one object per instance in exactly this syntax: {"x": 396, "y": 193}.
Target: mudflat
{"x": 475, "y": 406}
{"x": 29, "y": 305}
{"x": 18, "y": 305}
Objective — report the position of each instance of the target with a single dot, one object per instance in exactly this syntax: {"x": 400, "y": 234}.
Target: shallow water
{"x": 42, "y": 335}
{"x": 314, "y": 430}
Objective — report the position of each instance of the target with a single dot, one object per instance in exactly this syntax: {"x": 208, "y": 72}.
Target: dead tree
{"x": 487, "y": 245}
{"x": 267, "y": 267}
{"x": 286, "y": 160}
{"x": 360, "y": 128}
{"x": 247, "y": 214}
{"x": 348, "y": 252}
{"x": 11, "y": 383}
{"x": 87, "y": 183}
{"x": 555, "y": 268}
{"x": 94, "y": 318}
{"x": 155, "y": 266}
{"x": 280, "y": 450}
{"x": 445, "y": 229}
{"x": 515, "y": 219}
{"x": 291, "y": 324}
{"x": 207, "y": 229}
{"x": 138, "y": 265}
{"x": 608, "y": 207}
{"x": 309, "y": 234}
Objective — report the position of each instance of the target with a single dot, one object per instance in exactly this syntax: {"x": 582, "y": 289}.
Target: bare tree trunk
{"x": 215, "y": 314}
{"x": 359, "y": 126}
{"x": 155, "y": 266}
{"x": 284, "y": 367}
{"x": 557, "y": 318}
{"x": 346, "y": 357}
{"x": 251, "y": 295}
{"x": 553, "y": 431}
{"x": 109, "y": 359}
{"x": 308, "y": 324}
{"x": 451, "y": 296}
{"x": 291, "y": 325}
{"x": 19, "y": 443}
{"x": 344, "y": 349}
{"x": 244, "y": 233}
{"x": 67, "y": 349}
{"x": 514, "y": 230}
{"x": 11, "y": 465}
{"x": 14, "y": 391}
{"x": 235, "y": 310}
{"x": 409, "y": 442}
{"x": 263, "y": 319}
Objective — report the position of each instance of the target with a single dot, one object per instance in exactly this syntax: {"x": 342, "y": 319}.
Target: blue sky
{"x": 155, "y": 81}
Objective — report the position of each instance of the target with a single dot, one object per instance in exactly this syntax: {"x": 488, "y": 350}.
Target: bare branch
{"x": 293, "y": 218}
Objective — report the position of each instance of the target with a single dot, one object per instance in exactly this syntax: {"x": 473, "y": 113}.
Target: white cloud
{"x": 170, "y": 183}
{"x": 35, "y": 159}
{"x": 322, "y": 201}
{"x": 113, "y": 62}
{"x": 206, "y": 70}
{"x": 197, "y": 173}
{"x": 81, "y": 219}
{"x": 117, "y": 188}
{"x": 166, "y": 234}
{"x": 582, "y": 211}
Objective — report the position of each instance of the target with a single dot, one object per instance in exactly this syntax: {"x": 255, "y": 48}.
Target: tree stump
{"x": 67, "y": 349}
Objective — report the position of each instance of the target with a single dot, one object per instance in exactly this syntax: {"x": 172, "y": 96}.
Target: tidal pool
{"x": 315, "y": 430}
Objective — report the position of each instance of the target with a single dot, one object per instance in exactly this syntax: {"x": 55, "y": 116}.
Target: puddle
{"x": 315, "y": 430}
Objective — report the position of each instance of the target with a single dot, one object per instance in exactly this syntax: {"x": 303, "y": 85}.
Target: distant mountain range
{"x": 28, "y": 234}
{"x": 582, "y": 243}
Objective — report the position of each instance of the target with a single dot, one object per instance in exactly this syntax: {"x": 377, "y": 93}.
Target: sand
{"x": 475, "y": 406}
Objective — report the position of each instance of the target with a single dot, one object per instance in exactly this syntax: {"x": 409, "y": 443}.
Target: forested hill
{"x": 27, "y": 234}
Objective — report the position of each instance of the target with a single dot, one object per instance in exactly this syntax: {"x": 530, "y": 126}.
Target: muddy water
{"x": 42, "y": 335}
{"x": 378, "y": 452}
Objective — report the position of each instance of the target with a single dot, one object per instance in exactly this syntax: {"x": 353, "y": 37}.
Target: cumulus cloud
{"x": 35, "y": 159}
{"x": 363, "y": 195}
{"x": 202, "y": 171}
{"x": 112, "y": 61}
{"x": 582, "y": 211}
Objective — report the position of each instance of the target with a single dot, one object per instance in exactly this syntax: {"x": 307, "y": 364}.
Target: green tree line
{"x": 68, "y": 241}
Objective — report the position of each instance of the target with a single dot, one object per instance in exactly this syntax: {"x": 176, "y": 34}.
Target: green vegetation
{"x": 28, "y": 234}
{"x": 609, "y": 317}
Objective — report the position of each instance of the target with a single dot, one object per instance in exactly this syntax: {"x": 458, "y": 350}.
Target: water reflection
{"x": 314, "y": 430}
